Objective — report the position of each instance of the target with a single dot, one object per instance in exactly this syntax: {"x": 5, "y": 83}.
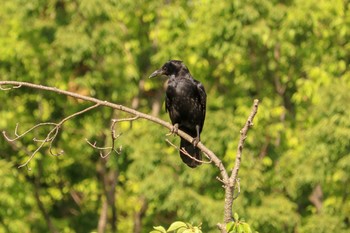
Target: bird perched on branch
{"x": 186, "y": 103}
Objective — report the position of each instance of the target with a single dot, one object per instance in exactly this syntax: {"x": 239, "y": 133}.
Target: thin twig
{"x": 243, "y": 132}
{"x": 109, "y": 148}
{"x": 113, "y": 137}
{"x": 21, "y": 135}
{"x": 186, "y": 153}
{"x": 97, "y": 147}
{"x": 126, "y": 119}
{"x": 50, "y": 137}
{"x": 9, "y": 88}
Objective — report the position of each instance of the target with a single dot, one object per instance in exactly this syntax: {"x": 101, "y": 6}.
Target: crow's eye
{"x": 165, "y": 68}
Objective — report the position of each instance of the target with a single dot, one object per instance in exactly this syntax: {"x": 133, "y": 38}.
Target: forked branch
{"x": 114, "y": 136}
{"x": 50, "y": 137}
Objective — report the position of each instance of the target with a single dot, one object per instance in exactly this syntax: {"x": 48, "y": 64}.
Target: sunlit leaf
{"x": 177, "y": 225}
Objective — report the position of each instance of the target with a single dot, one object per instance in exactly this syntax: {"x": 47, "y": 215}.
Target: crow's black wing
{"x": 170, "y": 105}
{"x": 202, "y": 99}
{"x": 167, "y": 103}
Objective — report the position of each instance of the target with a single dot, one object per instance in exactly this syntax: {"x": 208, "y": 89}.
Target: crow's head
{"x": 172, "y": 67}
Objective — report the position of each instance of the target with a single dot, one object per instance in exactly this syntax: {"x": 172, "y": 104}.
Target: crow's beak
{"x": 156, "y": 73}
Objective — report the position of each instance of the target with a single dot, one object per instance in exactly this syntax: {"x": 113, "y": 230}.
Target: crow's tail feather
{"x": 191, "y": 150}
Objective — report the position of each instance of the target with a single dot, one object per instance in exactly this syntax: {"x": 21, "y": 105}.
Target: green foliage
{"x": 292, "y": 55}
{"x": 178, "y": 227}
{"x": 238, "y": 226}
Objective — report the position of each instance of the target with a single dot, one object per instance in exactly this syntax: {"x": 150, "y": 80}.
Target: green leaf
{"x": 240, "y": 228}
{"x": 177, "y": 225}
{"x": 234, "y": 229}
{"x": 235, "y": 217}
{"x": 160, "y": 229}
{"x": 188, "y": 231}
{"x": 229, "y": 226}
{"x": 246, "y": 228}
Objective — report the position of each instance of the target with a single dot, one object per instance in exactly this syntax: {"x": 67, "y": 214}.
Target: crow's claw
{"x": 174, "y": 130}
{"x": 195, "y": 141}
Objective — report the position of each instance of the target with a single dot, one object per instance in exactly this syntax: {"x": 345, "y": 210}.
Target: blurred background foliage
{"x": 292, "y": 55}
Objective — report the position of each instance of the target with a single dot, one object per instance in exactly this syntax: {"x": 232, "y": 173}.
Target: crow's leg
{"x": 174, "y": 129}
{"x": 197, "y": 139}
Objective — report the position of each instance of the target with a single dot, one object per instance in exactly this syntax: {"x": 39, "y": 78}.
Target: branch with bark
{"x": 230, "y": 180}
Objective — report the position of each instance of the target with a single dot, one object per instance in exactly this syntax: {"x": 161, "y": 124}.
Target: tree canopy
{"x": 292, "y": 55}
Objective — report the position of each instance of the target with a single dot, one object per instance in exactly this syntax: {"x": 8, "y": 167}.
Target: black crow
{"x": 186, "y": 103}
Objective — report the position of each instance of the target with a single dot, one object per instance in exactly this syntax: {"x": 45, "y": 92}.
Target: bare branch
{"x": 23, "y": 134}
{"x": 126, "y": 119}
{"x": 182, "y": 134}
{"x": 243, "y": 132}
{"x": 109, "y": 148}
{"x": 222, "y": 227}
{"x": 51, "y": 141}
{"x": 9, "y": 88}
{"x": 78, "y": 113}
{"x": 230, "y": 182}
{"x": 113, "y": 137}
{"x": 219, "y": 179}
{"x": 50, "y": 137}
